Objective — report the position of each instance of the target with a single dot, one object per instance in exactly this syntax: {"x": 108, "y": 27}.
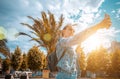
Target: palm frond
{"x": 3, "y": 48}
{"x": 31, "y": 18}
{"x": 47, "y": 24}
{"x": 5, "y": 52}
{"x": 52, "y": 21}
{"x": 29, "y": 26}
{"x": 37, "y": 24}
{"x": 60, "y": 22}
{"x": 32, "y": 38}
{"x": 24, "y": 34}
{"x": 37, "y": 40}
{"x": 36, "y": 34}
{"x": 45, "y": 21}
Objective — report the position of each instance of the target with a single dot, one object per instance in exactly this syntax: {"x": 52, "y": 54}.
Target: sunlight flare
{"x": 94, "y": 42}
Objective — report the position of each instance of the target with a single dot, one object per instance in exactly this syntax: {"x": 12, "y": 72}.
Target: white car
{"x": 17, "y": 73}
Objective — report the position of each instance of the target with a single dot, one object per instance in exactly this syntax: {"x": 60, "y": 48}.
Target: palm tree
{"x": 46, "y": 30}
{"x": 3, "y": 48}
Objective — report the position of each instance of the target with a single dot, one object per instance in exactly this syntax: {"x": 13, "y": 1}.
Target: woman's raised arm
{"x": 81, "y": 36}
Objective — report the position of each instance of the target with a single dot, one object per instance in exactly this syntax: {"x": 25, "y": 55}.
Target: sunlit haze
{"x": 95, "y": 41}
{"x": 83, "y": 12}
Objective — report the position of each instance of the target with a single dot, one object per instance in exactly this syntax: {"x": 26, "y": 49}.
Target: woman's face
{"x": 68, "y": 31}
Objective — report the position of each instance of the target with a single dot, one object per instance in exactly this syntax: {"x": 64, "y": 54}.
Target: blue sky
{"x": 82, "y": 12}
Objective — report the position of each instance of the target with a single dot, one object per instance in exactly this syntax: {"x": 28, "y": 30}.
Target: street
{"x": 45, "y": 78}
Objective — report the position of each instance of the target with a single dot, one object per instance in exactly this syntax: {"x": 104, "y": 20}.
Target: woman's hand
{"x": 106, "y": 22}
{"x": 81, "y": 36}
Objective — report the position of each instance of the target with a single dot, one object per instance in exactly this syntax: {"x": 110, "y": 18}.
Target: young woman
{"x": 67, "y": 64}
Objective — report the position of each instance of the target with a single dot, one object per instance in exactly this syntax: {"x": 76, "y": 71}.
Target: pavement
{"x": 46, "y": 78}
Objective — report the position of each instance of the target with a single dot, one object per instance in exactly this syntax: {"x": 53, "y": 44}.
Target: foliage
{"x": 3, "y": 48}
{"x": 116, "y": 61}
{"x": 98, "y": 61}
{"x": 81, "y": 58}
{"x": 16, "y": 59}
{"x": 91, "y": 62}
{"x": 102, "y": 59}
{"x": 46, "y": 30}
{"x": 44, "y": 61}
{"x": 24, "y": 65}
{"x": 34, "y": 58}
{"x": 0, "y": 59}
{"x": 109, "y": 69}
{"x": 6, "y": 64}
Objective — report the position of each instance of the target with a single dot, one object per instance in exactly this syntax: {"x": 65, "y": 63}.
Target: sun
{"x": 92, "y": 43}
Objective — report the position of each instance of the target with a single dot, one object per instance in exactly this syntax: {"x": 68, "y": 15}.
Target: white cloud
{"x": 39, "y": 6}
{"x": 85, "y": 18}
{"x": 86, "y": 12}
{"x": 118, "y": 3}
{"x": 25, "y": 3}
{"x": 11, "y": 32}
{"x": 113, "y": 11}
{"x": 72, "y": 7}
{"x": 118, "y": 14}
{"x": 65, "y": 7}
{"x": 102, "y": 37}
{"x": 118, "y": 11}
{"x": 109, "y": 33}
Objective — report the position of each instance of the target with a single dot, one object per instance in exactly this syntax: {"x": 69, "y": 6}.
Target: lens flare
{"x": 2, "y": 33}
{"x": 94, "y": 42}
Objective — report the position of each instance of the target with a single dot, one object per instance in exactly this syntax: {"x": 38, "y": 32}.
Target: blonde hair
{"x": 69, "y": 26}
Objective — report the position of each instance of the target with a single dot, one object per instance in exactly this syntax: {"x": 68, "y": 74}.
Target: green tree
{"x": 0, "y": 59}
{"x": 98, "y": 61}
{"x": 3, "y": 47}
{"x": 24, "y": 65}
{"x": 0, "y": 62}
{"x": 44, "y": 61}
{"x": 16, "y": 59}
{"x": 91, "y": 62}
{"x": 34, "y": 58}
{"x": 102, "y": 59}
{"x": 46, "y": 30}
{"x": 6, "y": 64}
{"x": 116, "y": 62}
{"x": 81, "y": 59}
{"x": 110, "y": 68}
